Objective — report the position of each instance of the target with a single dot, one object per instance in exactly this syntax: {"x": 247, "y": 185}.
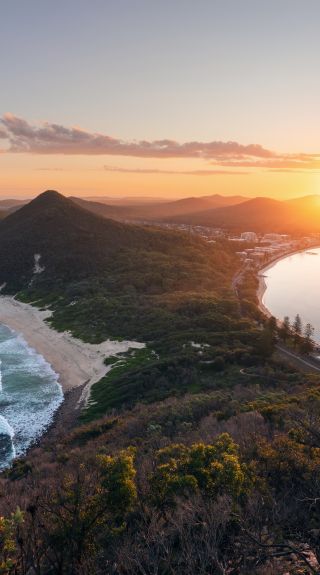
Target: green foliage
{"x": 189, "y": 503}
{"x": 85, "y": 433}
{"x": 297, "y": 325}
{"x": 265, "y": 343}
{"x": 8, "y": 545}
{"x": 296, "y": 335}
{"x": 117, "y": 481}
{"x": 307, "y": 344}
{"x": 285, "y": 328}
{"x": 107, "y": 280}
{"x": 19, "y": 468}
{"x": 287, "y": 464}
{"x": 113, "y": 389}
{"x": 92, "y": 501}
{"x": 211, "y": 469}
{"x": 297, "y": 330}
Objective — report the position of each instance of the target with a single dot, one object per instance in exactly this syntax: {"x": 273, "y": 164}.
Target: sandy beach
{"x": 262, "y": 286}
{"x": 78, "y": 364}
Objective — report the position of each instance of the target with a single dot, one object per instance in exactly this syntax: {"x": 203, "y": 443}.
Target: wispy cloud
{"x": 278, "y": 162}
{"x": 296, "y": 171}
{"x": 50, "y": 169}
{"x": 48, "y": 138}
{"x": 120, "y": 170}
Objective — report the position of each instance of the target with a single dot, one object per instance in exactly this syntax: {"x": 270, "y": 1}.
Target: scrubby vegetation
{"x": 199, "y": 454}
{"x": 166, "y": 489}
{"x": 105, "y": 279}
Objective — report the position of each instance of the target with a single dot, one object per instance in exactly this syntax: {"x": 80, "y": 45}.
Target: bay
{"x": 293, "y": 287}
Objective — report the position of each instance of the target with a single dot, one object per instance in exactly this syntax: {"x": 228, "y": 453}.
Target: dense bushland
{"x": 198, "y": 454}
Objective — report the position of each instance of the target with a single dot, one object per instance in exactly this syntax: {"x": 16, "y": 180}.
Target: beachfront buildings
{"x": 249, "y": 236}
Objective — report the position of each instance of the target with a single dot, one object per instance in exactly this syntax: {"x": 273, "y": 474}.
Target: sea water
{"x": 293, "y": 287}
{"x": 29, "y": 395}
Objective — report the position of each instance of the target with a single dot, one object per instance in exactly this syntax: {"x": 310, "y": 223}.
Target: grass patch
{"x": 105, "y": 395}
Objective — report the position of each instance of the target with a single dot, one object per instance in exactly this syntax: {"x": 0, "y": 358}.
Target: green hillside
{"x": 197, "y": 453}
{"x": 106, "y": 279}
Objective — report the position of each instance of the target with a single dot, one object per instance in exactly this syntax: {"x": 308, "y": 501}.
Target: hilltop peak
{"x": 49, "y": 196}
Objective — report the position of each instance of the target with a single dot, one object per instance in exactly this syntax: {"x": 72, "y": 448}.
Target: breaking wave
{"x": 30, "y": 394}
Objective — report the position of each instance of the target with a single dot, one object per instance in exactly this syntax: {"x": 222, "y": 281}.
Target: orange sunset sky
{"x": 176, "y": 98}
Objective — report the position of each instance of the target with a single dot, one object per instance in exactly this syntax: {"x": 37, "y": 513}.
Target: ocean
{"x": 292, "y": 287}
{"x": 29, "y": 395}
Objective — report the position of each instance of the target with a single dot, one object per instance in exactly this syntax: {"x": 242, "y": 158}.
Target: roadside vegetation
{"x": 199, "y": 454}
{"x": 202, "y": 460}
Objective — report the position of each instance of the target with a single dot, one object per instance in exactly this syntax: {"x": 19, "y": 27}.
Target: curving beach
{"x": 262, "y": 286}
{"x": 77, "y": 363}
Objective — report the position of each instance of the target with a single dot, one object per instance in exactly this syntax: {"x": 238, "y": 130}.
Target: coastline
{"x": 77, "y": 364}
{"x": 262, "y": 286}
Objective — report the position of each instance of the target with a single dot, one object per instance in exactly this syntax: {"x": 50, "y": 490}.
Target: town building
{"x": 249, "y": 236}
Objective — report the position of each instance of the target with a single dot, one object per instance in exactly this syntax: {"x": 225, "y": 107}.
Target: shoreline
{"x": 63, "y": 422}
{"x": 76, "y": 363}
{"x": 262, "y": 286}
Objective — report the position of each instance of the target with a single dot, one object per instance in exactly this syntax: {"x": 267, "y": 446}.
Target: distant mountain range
{"x": 235, "y": 213}
{"x": 159, "y": 211}
{"x": 139, "y": 208}
{"x": 299, "y": 215}
{"x": 126, "y": 200}
{"x": 10, "y": 203}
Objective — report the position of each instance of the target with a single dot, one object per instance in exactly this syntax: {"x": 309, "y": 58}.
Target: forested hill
{"x": 196, "y": 454}
{"x": 52, "y": 242}
{"x": 105, "y": 279}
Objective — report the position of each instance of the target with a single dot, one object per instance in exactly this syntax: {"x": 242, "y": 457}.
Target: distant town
{"x": 256, "y": 249}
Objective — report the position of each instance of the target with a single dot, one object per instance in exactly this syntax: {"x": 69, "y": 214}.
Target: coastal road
{"x": 237, "y": 278}
{"x": 297, "y": 360}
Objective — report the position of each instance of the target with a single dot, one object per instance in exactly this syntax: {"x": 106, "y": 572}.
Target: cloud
{"x": 296, "y": 171}
{"x": 56, "y": 139}
{"x": 50, "y": 169}
{"x": 287, "y": 162}
{"x": 48, "y": 138}
{"x": 175, "y": 172}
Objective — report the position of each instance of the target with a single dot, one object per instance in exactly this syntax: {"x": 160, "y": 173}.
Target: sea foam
{"x": 29, "y": 396}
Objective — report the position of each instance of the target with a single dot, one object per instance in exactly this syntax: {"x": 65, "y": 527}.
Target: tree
{"x": 9, "y": 530}
{"x": 307, "y": 344}
{"x": 297, "y": 329}
{"x": 89, "y": 504}
{"x": 285, "y": 329}
{"x": 212, "y": 470}
{"x": 265, "y": 343}
{"x": 272, "y": 325}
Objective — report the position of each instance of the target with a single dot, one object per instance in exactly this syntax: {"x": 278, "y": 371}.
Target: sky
{"x": 163, "y": 98}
